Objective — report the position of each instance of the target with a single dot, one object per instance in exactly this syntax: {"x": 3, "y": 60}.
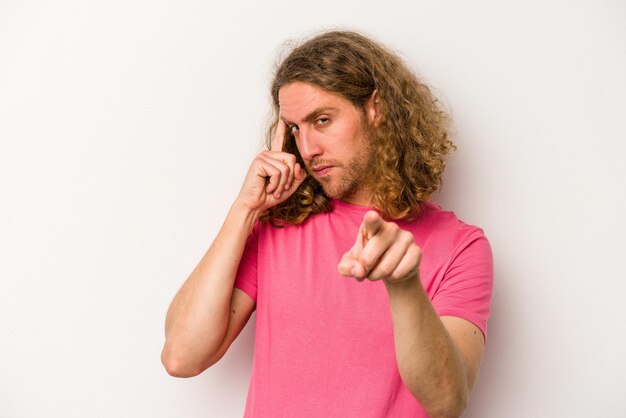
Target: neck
{"x": 362, "y": 198}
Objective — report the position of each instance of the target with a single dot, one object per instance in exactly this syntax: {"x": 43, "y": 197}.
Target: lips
{"x": 321, "y": 170}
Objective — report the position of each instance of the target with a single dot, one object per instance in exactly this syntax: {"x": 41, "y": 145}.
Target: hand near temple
{"x": 273, "y": 176}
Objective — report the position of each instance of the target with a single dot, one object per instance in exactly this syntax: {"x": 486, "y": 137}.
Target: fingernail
{"x": 353, "y": 271}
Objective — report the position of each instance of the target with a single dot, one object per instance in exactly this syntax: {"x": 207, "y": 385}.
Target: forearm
{"x": 198, "y": 316}
{"x": 430, "y": 364}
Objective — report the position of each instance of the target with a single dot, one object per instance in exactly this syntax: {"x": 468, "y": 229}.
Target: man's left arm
{"x": 438, "y": 357}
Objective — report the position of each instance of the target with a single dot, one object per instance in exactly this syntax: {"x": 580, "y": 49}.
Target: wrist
{"x": 240, "y": 212}
{"x": 411, "y": 284}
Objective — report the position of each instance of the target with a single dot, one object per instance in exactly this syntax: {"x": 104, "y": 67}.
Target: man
{"x": 371, "y": 300}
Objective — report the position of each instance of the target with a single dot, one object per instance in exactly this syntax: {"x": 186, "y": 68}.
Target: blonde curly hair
{"x": 409, "y": 144}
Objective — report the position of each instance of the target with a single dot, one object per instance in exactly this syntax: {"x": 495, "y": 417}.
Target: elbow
{"x": 450, "y": 405}
{"x": 178, "y": 365}
{"x": 446, "y": 399}
{"x": 177, "y": 368}
{"x": 455, "y": 413}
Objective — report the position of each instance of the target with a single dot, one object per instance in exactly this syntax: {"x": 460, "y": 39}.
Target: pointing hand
{"x": 382, "y": 251}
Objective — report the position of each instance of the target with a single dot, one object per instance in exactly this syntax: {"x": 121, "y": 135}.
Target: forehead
{"x": 297, "y": 100}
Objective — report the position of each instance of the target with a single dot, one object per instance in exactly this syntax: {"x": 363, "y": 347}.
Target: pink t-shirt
{"x": 324, "y": 343}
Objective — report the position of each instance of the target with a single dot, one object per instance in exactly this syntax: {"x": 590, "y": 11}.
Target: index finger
{"x": 279, "y": 136}
{"x": 372, "y": 224}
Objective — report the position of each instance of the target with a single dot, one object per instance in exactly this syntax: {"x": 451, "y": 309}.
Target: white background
{"x": 126, "y": 127}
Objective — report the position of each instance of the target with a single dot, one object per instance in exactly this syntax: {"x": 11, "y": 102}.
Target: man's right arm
{"x": 207, "y": 314}
{"x": 200, "y": 325}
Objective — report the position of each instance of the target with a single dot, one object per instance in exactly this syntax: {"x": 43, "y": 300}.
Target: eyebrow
{"x": 315, "y": 113}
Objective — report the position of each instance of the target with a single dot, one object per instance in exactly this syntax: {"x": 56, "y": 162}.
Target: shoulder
{"x": 442, "y": 230}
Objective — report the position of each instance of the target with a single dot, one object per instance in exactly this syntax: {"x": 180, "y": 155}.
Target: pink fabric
{"x": 324, "y": 343}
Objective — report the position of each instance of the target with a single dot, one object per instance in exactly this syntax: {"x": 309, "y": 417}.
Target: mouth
{"x": 321, "y": 170}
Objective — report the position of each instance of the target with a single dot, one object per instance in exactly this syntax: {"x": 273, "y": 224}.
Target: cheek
{"x": 346, "y": 133}
{"x": 352, "y": 137}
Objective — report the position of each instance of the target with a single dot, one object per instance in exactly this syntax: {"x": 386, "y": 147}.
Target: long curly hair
{"x": 409, "y": 143}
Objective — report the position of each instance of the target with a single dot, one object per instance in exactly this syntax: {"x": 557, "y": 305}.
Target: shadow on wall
{"x": 226, "y": 383}
{"x": 494, "y": 372}
{"x": 501, "y": 343}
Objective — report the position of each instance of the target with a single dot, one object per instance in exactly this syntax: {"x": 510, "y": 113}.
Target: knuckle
{"x": 418, "y": 254}
{"x": 393, "y": 227}
{"x": 366, "y": 261}
{"x": 385, "y": 269}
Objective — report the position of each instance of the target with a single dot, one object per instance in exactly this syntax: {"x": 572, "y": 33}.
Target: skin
{"x": 329, "y": 134}
{"x": 207, "y": 313}
{"x": 438, "y": 358}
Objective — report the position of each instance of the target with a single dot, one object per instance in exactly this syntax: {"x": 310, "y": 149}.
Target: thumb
{"x": 350, "y": 266}
{"x": 299, "y": 176}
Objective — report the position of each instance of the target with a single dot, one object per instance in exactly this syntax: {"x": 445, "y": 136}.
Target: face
{"x": 331, "y": 138}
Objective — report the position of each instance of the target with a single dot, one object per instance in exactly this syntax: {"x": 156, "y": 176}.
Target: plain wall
{"x": 126, "y": 128}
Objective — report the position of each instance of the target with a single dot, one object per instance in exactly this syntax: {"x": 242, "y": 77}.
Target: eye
{"x": 322, "y": 121}
{"x": 293, "y": 129}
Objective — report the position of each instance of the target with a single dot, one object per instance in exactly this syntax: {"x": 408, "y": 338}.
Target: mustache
{"x": 320, "y": 162}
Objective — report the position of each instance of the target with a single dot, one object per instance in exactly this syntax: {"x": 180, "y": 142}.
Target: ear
{"x": 373, "y": 108}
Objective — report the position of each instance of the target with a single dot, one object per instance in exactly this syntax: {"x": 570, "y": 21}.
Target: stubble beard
{"x": 355, "y": 178}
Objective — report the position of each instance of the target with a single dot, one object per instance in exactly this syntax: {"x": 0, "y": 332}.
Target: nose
{"x": 308, "y": 145}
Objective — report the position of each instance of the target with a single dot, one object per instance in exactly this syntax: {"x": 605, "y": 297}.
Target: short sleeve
{"x": 247, "y": 278}
{"x": 467, "y": 285}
